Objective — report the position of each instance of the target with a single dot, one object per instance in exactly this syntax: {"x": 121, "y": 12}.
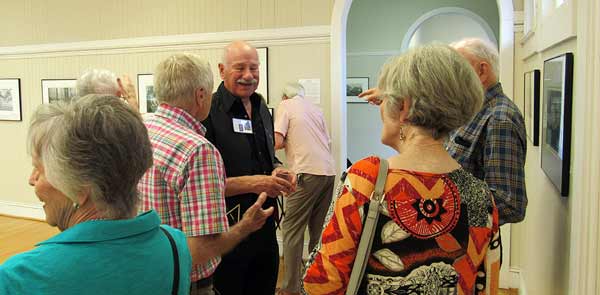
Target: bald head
{"x": 482, "y": 56}
{"x": 239, "y": 69}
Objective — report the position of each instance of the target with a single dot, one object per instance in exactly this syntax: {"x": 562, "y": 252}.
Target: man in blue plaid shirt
{"x": 493, "y": 146}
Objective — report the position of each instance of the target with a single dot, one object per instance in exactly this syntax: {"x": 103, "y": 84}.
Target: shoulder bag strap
{"x": 175, "y": 288}
{"x": 368, "y": 232}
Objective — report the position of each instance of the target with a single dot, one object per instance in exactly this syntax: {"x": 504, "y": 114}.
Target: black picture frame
{"x": 147, "y": 102}
{"x": 531, "y": 105}
{"x": 556, "y": 121}
{"x": 54, "y": 90}
{"x": 354, "y": 86}
{"x": 10, "y": 100}
{"x": 263, "y": 69}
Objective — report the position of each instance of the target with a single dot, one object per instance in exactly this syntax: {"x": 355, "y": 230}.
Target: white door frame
{"x": 339, "y": 18}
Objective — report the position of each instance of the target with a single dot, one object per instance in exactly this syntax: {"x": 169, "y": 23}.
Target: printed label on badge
{"x": 242, "y": 126}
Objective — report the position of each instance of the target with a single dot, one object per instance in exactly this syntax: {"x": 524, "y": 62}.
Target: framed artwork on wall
{"x": 10, "y": 100}
{"x": 54, "y": 90}
{"x": 146, "y": 97}
{"x": 556, "y": 121}
{"x": 263, "y": 69}
{"x": 531, "y": 105}
{"x": 354, "y": 86}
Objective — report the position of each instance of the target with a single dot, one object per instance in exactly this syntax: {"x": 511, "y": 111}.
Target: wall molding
{"x": 259, "y": 38}
{"x": 522, "y": 287}
{"x": 375, "y": 53}
{"x": 25, "y": 210}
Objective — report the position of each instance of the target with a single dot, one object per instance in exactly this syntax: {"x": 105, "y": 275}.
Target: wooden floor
{"x": 18, "y": 235}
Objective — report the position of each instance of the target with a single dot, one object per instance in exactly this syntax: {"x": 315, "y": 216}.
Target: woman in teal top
{"x": 88, "y": 157}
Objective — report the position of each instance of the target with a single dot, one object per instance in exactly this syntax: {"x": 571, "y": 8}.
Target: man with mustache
{"x": 241, "y": 127}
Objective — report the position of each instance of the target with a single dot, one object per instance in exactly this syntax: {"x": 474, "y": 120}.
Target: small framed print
{"x": 55, "y": 90}
{"x": 531, "y": 106}
{"x": 146, "y": 96}
{"x": 10, "y": 100}
{"x": 355, "y": 86}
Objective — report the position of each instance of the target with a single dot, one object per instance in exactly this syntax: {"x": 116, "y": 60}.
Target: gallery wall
{"x": 297, "y": 41}
{"x": 541, "y": 244}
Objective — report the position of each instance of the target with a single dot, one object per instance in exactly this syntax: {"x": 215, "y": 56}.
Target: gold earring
{"x": 402, "y": 136}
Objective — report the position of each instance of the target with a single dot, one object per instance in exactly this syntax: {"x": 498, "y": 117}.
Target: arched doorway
{"x": 339, "y": 18}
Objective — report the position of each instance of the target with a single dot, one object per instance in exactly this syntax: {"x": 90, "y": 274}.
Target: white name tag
{"x": 242, "y": 126}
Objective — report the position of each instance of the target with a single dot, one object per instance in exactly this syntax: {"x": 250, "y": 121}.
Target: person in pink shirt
{"x": 300, "y": 129}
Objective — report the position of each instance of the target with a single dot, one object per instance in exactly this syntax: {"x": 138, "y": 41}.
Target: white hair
{"x": 293, "y": 89}
{"x": 178, "y": 76}
{"x": 97, "y": 81}
{"x": 482, "y": 50}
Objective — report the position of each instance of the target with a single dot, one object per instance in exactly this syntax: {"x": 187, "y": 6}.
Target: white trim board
{"x": 259, "y": 38}
{"x": 34, "y": 211}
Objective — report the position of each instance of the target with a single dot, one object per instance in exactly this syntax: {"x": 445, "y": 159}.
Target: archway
{"x": 339, "y": 18}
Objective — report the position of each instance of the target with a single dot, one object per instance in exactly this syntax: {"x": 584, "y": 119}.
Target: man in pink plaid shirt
{"x": 186, "y": 184}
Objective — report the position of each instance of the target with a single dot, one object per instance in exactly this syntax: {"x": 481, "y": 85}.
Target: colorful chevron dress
{"x": 438, "y": 234}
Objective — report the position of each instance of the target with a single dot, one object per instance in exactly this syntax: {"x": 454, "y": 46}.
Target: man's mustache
{"x": 247, "y": 82}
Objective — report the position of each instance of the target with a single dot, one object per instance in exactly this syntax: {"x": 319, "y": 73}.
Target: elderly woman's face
{"x": 57, "y": 206}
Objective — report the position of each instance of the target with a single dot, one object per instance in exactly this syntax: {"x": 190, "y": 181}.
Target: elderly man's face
{"x": 240, "y": 71}
{"x": 57, "y": 206}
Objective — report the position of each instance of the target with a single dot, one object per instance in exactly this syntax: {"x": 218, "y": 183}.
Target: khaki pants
{"x": 308, "y": 205}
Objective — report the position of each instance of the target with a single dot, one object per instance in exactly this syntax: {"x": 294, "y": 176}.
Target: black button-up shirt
{"x": 243, "y": 154}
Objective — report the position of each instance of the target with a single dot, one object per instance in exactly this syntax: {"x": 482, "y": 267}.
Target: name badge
{"x": 242, "y": 126}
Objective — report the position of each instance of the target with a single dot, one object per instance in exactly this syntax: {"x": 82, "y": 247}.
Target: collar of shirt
{"x": 228, "y": 98}
{"x": 494, "y": 91}
{"x": 180, "y": 116}
{"x": 105, "y": 230}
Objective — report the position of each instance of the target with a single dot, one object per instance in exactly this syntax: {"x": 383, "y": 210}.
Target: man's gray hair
{"x": 97, "y": 145}
{"x": 97, "y": 81}
{"x": 293, "y": 89}
{"x": 178, "y": 77}
{"x": 482, "y": 50}
{"x": 444, "y": 89}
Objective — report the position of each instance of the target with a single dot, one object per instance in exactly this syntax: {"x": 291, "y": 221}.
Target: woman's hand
{"x": 372, "y": 95}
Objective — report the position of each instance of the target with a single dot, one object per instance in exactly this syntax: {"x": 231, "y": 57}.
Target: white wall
{"x": 297, "y": 38}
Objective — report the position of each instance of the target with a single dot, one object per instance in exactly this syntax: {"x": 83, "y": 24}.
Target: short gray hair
{"x": 97, "y": 81}
{"x": 96, "y": 144}
{"x": 482, "y": 50}
{"x": 293, "y": 89}
{"x": 178, "y": 77}
{"x": 444, "y": 89}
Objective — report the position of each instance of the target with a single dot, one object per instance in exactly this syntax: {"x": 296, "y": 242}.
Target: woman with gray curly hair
{"x": 437, "y": 232}
{"x": 88, "y": 157}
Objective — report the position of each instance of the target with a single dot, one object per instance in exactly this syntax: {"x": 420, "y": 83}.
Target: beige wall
{"x": 540, "y": 245}
{"x": 306, "y": 59}
{"x": 41, "y": 21}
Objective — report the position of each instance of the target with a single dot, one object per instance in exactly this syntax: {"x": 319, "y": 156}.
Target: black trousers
{"x": 251, "y": 268}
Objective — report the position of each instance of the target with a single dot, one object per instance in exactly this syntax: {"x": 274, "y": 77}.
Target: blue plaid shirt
{"x": 493, "y": 147}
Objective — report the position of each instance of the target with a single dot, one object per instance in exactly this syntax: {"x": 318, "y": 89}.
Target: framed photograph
{"x": 556, "y": 120}
{"x": 354, "y": 86}
{"x": 531, "y": 106}
{"x": 146, "y": 97}
{"x": 263, "y": 69}
{"x": 54, "y": 90}
{"x": 10, "y": 99}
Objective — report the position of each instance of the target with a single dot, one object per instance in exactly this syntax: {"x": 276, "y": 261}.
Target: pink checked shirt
{"x": 186, "y": 184}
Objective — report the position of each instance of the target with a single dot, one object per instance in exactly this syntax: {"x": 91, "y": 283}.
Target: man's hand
{"x": 127, "y": 90}
{"x": 372, "y": 95}
{"x": 255, "y": 217}
{"x": 272, "y": 185}
{"x": 286, "y": 174}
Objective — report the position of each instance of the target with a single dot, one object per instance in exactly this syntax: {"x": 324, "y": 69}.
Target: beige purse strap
{"x": 368, "y": 232}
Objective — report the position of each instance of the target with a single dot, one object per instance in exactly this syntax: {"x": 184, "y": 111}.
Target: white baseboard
{"x": 515, "y": 277}
{"x": 522, "y": 288}
{"x": 34, "y": 211}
